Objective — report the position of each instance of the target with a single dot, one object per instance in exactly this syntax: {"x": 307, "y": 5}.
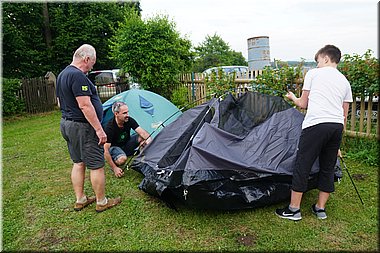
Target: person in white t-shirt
{"x": 326, "y": 94}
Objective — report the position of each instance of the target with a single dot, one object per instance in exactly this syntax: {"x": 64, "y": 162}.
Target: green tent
{"x": 151, "y": 111}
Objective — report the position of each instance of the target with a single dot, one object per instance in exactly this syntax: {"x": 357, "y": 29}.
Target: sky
{"x": 297, "y": 29}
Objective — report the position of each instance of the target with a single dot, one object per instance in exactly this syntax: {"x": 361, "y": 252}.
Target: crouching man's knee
{"x": 121, "y": 160}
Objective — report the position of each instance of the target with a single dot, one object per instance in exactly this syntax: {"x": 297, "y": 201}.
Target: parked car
{"x": 105, "y": 81}
{"x": 228, "y": 69}
{"x": 375, "y": 104}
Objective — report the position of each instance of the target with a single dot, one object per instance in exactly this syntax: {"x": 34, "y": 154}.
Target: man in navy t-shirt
{"x": 80, "y": 126}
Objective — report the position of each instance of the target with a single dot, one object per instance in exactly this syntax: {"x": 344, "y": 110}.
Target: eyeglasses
{"x": 116, "y": 106}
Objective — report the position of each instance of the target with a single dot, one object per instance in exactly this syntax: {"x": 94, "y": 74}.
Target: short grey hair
{"x": 116, "y": 106}
{"x": 84, "y": 51}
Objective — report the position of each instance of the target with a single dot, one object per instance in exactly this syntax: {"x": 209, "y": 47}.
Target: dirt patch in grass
{"x": 247, "y": 240}
{"x": 334, "y": 240}
{"x": 48, "y": 239}
{"x": 359, "y": 177}
{"x": 244, "y": 235}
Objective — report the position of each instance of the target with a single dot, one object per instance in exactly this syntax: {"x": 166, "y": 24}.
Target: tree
{"x": 41, "y": 37}
{"x": 47, "y": 31}
{"x": 71, "y": 29}
{"x": 215, "y": 52}
{"x": 151, "y": 51}
{"x": 23, "y": 40}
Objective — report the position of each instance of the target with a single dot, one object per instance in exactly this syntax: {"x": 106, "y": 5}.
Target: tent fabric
{"x": 239, "y": 117}
{"x": 229, "y": 154}
{"x": 146, "y": 105}
{"x": 151, "y": 111}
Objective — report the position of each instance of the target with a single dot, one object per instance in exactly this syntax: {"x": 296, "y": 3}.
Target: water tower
{"x": 258, "y": 52}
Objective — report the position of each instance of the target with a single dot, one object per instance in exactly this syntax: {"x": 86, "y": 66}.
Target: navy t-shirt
{"x": 72, "y": 83}
{"x": 119, "y": 136}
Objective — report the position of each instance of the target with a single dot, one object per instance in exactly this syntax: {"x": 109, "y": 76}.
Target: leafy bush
{"x": 12, "y": 101}
{"x": 180, "y": 97}
{"x": 277, "y": 81}
{"x": 219, "y": 83}
{"x": 362, "y": 72}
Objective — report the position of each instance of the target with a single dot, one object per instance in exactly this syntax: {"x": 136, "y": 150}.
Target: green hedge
{"x": 362, "y": 71}
{"x": 13, "y": 103}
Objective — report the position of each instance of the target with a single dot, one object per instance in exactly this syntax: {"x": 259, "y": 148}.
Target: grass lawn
{"x": 38, "y": 215}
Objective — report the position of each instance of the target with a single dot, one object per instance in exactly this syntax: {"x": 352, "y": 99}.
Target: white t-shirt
{"x": 328, "y": 90}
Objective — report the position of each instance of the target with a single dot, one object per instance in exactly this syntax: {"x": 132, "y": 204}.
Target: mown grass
{"x": 38, "y": 208}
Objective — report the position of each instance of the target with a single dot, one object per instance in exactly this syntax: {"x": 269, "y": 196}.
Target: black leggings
{"x": 321, "y": 140}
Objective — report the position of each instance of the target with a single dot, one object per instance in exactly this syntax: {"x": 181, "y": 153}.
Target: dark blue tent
{"x": 229, "y": 154}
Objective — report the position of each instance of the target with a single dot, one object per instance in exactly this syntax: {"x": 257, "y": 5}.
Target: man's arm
{"x": 117, "y": 171}
{"x": 89, "y": 112}
{"x": 302, "y": 101}
{"x": 144, "y": 135}
{"x": 346, "y": 106}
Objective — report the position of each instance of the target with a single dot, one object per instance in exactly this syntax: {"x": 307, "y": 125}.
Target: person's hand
{"x": 339, "y": 153}
{"x": 118, "y": 172}
{"x": 102, "y": 136}
{"x": 148, "y": 141}
{"x": 145, "y": 142}
{"x": 290, "y": 95}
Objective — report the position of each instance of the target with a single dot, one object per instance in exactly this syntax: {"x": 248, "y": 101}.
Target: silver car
{"x": 228, "y": 69}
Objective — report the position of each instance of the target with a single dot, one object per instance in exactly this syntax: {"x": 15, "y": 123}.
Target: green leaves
{"x": 180, "y": 97}
{"x": 12, "y": 101}
{"x": 277, "y": 81}
{"x": 26, "y": 52}
{"x": 215, "y": 52}
{"x": 219, "y": 82}
{"x": 23, "y": 40}
{"x": 151, "y": 51}
{"x": 362, "y": 71}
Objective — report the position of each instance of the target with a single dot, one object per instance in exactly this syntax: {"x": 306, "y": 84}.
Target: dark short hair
{"x": 116, "y": 106}
{"x": 331, "y": 51}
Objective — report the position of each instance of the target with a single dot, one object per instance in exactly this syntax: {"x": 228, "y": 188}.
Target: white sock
{"x": 317, "y": 208}
{"x": 82, "y": 200}
{"x": 102, "y": 202}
